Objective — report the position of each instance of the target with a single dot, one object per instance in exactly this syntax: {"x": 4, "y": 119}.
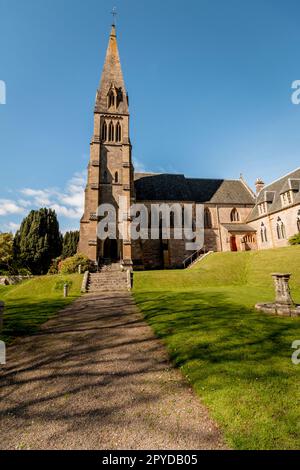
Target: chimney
{"x": 259, "y": 184}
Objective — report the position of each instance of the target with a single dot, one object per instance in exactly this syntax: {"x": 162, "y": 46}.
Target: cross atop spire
{"x": 114, "y": 15}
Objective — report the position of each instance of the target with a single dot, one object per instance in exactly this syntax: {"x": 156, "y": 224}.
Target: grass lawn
{"x": 238, "y": 360}
{"x": 33, "y": 302}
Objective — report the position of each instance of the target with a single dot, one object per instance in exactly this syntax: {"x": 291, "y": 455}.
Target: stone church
{"x": 235, "y": 218}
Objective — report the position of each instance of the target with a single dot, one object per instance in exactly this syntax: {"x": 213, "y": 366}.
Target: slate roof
{"x": 239, "y": 228}
{"x": 172, "y": 187}
{"x": 272, "y": 194}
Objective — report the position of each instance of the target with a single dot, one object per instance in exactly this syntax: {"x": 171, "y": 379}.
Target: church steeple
{"x": 110, "y": 171}
{"x": 112, "y": 92}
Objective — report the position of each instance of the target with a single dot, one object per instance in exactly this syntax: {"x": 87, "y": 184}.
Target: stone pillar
{"x": 1, "y": 315}
{"x": 282, "y": 289}
{"x": 129, "y": 279}
{"x": 283, "y": 304}
{"x": 66, "y": 290}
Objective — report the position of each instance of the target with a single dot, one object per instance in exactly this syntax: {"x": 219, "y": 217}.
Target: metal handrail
{"x": 190, "y": 259}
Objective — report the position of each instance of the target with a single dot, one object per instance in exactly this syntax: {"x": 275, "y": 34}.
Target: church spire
{"x": 112, "y": 80}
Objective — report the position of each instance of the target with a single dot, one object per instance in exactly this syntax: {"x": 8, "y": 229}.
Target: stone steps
{"x": 113, "y": 267}
{"x": 109, "y": 280}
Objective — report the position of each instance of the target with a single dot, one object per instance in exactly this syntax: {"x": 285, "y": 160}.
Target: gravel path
{"x": 95, "y": 377}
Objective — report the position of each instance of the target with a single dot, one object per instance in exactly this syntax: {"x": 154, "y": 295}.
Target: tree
{"x": 38, "y": 241}
{"x": 70, "y": 243}
{"x": 6, "y": 251}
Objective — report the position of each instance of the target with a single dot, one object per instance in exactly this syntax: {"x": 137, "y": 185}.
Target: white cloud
{"x": 74, "y": 195}
{"x": 8, "y": 207}
{"x": 66, "y": 211}
{"x": 24, "y": 202}
{"x": 10, "y": 227}
{"x": 68, "y": 202}
{"x": 41, "y": 197}
{"x": 33, "y": 192}
{"x": 139, "y": 166}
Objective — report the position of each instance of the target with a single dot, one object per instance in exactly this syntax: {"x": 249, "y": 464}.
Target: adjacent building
{"x": 276, "y": 214}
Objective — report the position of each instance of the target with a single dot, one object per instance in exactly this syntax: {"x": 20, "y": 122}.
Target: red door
{"x": 233, "y": 245}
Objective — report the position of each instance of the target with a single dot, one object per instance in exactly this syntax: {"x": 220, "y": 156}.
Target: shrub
{"x": 295, "y": 239}
{"x": 55, "y": 266}
{"x": 70, "y": 265}
{"x": 16, "y": 269}
{"x": 23, "y": 272}
{"x": 59, "y": 285}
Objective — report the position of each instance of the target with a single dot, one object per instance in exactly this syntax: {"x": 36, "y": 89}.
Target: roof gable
{"x": 289, "y": 182}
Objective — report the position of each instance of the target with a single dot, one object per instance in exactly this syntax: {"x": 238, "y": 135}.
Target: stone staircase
{"x": 109, "y": 279}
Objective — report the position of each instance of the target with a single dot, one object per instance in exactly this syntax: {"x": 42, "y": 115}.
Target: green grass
{"x": 237, "y": 359}
{"x": 33, "y": 302}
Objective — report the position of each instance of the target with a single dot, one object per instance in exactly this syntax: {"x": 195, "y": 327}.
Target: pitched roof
{"x": 272, "y": 194}
{"x": 111, "y": 76}
{"x": 172, "y": 187}
{"x": 239, "y": 228}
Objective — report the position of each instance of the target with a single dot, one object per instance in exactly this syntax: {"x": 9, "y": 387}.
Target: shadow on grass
{"x": 213, "y": 327}
{"x": 23, "y": 317}
{"x": 238, "y": 360}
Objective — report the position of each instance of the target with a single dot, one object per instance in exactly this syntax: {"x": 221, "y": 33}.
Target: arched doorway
{"x": 233, "y": 245}
{"x": 110, "y": 250}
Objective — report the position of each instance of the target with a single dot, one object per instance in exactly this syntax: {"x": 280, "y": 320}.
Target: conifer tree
{"x": 6, "y": 251}
{"x": 70, "y": 243}
{"x": 38, "y": 241}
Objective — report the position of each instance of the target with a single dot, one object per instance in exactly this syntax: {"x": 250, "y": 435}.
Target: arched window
{"x": 116, "y": 177}
{"x": 280, "y": 229}
{"x": 263, "y": 233}
{"x": 118, "y": 132}
{"x": 111, "y": 99}
{"x": 111, "y": 132}
{"x": 119, "y": 96}
{"x": 234, "y": 216}
{"x": 105, "y": 176}
{"x": 104, "y": 131}
{"x": 207, "y": 218}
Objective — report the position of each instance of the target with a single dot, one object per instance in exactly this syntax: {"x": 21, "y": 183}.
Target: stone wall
{"x": 12, "y": 280}
{"x": 289, "y": 218}
{"x": 154, "y": 254}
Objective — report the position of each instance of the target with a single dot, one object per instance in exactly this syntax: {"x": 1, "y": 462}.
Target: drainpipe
{"x": 219, "y": 228}
{"x": 270, "y": 227}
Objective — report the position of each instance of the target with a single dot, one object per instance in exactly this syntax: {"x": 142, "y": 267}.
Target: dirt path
{"x": 95, "y": 377}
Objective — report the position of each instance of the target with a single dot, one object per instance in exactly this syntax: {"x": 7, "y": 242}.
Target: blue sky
{"x": 209, "y": 85}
